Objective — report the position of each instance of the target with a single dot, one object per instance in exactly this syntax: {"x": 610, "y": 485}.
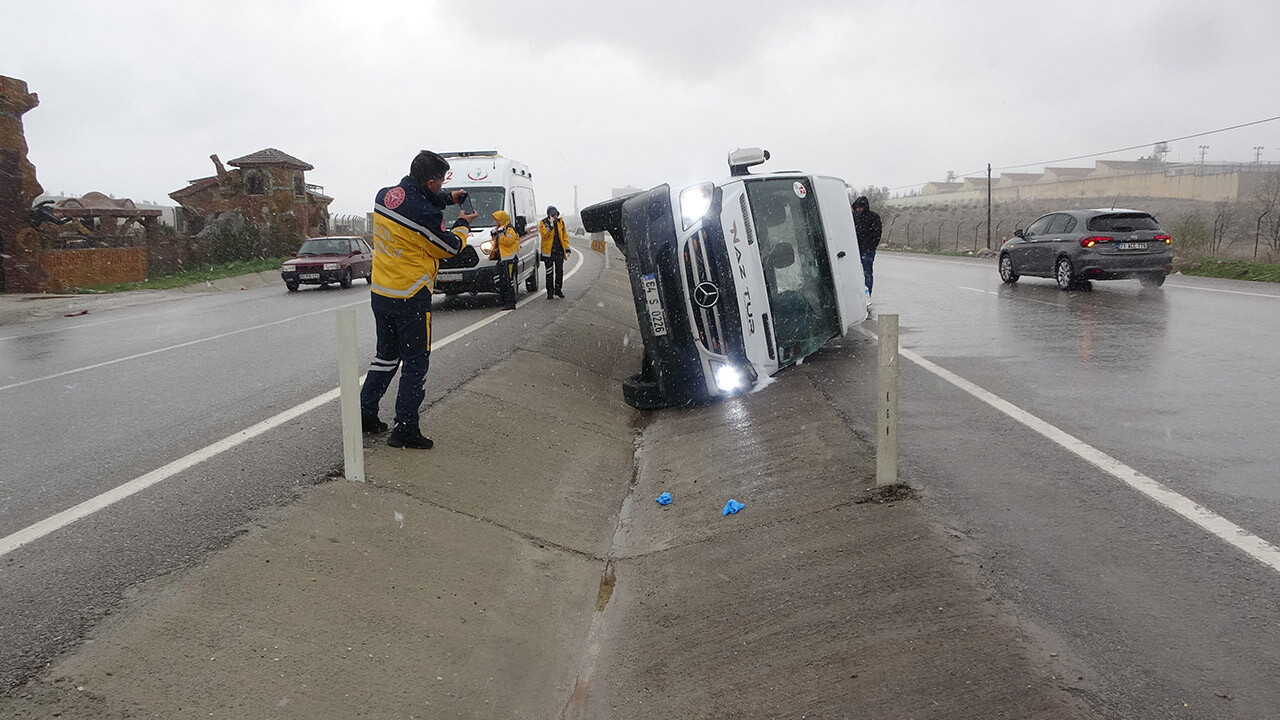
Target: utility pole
{"x": 1257, "y": 154}
{"x": 988, "y": 206}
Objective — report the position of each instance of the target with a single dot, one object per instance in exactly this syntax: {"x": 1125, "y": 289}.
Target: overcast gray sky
{"x": 134, "y": 96}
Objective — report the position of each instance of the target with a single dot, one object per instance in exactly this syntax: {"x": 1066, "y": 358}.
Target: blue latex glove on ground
{"x": 663, "y": 499}
{"x": 732, "y": 507}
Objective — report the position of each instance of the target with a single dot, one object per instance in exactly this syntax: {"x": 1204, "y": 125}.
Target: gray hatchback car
{"x": 1076, "y": 246}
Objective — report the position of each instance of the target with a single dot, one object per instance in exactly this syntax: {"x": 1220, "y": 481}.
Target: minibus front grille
{"x": 710, "y": 318}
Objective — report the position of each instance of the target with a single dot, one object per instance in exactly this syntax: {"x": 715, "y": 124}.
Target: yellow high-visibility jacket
{"x": 504, "y": 236}
{"x": 548, "y": 231}
{"x": 410, "y": 239}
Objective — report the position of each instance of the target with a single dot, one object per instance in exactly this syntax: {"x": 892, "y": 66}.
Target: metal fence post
{"x": 887, "y": 403}
{"x": 349, "y": 396}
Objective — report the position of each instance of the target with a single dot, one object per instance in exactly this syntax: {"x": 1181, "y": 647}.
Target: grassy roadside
{"x": 1231, "y": 269}
{"x": 191, "y": 276}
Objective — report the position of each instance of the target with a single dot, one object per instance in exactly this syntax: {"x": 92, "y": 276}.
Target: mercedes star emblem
{"x": 706, "y": 295}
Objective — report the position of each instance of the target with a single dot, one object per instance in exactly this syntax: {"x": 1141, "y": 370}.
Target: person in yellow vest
{"x": 506, "y": 250}
{"x": 409, "y": 241}
{"x": 555, "y": 247}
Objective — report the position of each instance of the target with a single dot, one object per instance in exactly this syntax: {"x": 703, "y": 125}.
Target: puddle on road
{"x": 607, "y": 581}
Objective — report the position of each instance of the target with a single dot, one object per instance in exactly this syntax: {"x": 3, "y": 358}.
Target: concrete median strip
{"x": 520, "y": 569}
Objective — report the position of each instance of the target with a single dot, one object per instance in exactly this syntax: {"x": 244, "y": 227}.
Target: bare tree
{"x": 1265, "y": 204}
{"x": 1224, "y": 221}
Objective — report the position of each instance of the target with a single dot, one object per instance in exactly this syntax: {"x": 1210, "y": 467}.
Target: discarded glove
{"x": 663, "y": 499}
{"x": 732, "y": 507}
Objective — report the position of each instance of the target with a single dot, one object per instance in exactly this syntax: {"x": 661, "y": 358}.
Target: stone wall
{"x": 20, "y": 270}
{"x": 89, "y": 267}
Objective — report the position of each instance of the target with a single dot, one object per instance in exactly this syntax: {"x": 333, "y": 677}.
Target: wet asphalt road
{"x": 1149, "y": 615}
{"x": 93, "y": 402}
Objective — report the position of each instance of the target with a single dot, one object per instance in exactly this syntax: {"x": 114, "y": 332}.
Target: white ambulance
{"x": 734, "y": 280}
{"x": 493, "y": 182}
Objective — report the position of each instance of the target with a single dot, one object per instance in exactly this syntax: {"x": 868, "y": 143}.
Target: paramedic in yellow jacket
{"x": 555, "y": 246}
{"x": 409, "y": 241}
{"x": 506, "y": 250}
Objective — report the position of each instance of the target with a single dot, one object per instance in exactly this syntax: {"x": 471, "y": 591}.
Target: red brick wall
{"x": 93, "y": 266}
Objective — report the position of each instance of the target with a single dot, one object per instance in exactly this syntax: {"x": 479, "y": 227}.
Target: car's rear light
{"x": 1167, "y": 240}
{"x": 1091, "y": 241}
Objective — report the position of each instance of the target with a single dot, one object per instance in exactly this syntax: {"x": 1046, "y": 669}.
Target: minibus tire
{"x": 642, "y": 394}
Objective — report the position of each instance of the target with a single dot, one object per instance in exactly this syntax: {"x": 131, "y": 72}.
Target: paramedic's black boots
{"x": 412, "y": 438}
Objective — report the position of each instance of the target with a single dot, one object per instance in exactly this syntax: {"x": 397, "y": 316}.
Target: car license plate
{"x": 309, "y": 276}
{"x": 657, "y": 318}
{"x": 1131, "y": 246}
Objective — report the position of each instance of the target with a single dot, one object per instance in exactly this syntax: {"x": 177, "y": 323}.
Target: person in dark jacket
{"x": 555, "y": 246}
{"x": 867, "y": 224}
{"x": 409, "y": 241}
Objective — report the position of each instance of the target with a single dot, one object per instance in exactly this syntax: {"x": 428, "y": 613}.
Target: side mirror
{"x": 782, "y": 256}
{"x": 1019, "y": 233}
{"x": 743, "y": 158}
{"x": 521, "y": 224}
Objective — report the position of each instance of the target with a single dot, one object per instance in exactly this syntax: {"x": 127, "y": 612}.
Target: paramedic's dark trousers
{"x": 507, "y": 282}
{"x": 404, "y": 341}
{"x": 555, "y": 272}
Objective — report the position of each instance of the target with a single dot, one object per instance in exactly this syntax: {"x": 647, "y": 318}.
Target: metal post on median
{"x": 887, "y": 403}
{"x": 349, "y": 394}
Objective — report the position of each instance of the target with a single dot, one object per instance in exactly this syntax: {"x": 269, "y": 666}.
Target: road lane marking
{"x": 911, "y": 256}
{"x": 60, "y": 520}
{"x": 1228, "y": 292}
{"x": 993, "y": 292}
{"x": 1224, "y": 529}
{"x": 77, "y": 327}
{"x": 1167, "y": 284}
{"x": 179, "y": 346}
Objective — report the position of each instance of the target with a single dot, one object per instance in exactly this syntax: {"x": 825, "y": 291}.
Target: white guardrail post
{"x": 349, "y": 393}
{"x": 887, "y": 403}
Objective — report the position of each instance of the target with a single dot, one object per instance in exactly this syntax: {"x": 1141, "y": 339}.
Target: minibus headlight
{"x": 695, "y": 201}
{"x": 728, "y": 378}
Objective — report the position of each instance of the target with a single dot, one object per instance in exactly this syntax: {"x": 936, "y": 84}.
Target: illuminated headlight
{"x": 486, "y": 247}
{"x": 695, "y": 201}
{"x": 728, "y": 378}
{"x": 331, "y": 266}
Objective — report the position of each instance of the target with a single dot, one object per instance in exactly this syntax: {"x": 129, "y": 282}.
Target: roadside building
{"x": 266, "y": 190}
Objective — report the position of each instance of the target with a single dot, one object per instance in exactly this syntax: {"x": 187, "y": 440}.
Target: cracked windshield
{"x": 577, "y": 360}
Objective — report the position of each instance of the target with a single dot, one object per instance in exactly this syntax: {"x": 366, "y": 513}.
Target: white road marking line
{"x": 911, "y": 256}
{"x": 1167, "y": 284}
{"x": 1228, "y": 292}
{"x": 56, "y": 522}
{"x": 77, "y": 327}
{"x": 189, "y": 343}
{"x": 1224, "y": 529}
{"x": 992, "y": 292}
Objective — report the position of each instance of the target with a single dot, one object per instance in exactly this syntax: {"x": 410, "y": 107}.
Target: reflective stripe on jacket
{"x": 547, "y": 231}
{"x": 410, "y": 239}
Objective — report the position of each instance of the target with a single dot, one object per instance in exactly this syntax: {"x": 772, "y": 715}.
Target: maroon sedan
{"x": 325, "y": 260}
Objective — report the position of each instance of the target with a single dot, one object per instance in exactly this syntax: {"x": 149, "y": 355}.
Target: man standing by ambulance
{"x": 409, "y": 241}
{"x": 555, "y": 246}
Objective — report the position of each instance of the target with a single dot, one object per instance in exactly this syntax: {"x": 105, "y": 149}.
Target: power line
{"x": 1111, "y": 152}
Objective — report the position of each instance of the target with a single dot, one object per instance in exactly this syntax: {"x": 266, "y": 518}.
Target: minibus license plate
{"x": 657, "y": 318}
